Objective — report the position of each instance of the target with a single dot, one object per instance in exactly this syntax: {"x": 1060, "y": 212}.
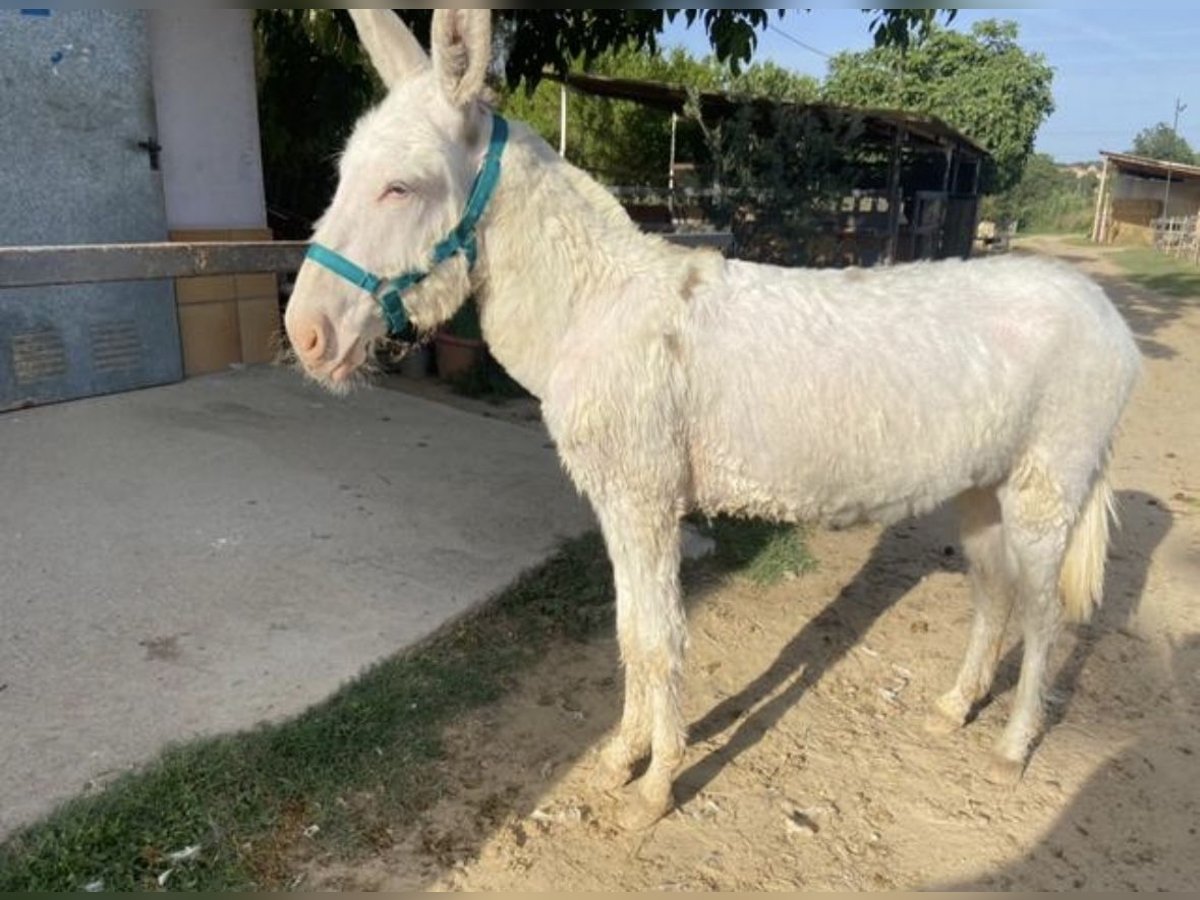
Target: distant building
{"x": 1135, "y": 191}
{"x": 924, "y": 203}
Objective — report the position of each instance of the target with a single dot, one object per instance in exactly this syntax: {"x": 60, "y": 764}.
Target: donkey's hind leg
{"x": 992, "y": 590}
{"x": 1037, "y": 528}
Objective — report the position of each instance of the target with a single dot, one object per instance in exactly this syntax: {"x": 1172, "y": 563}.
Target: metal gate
{"x": 79, "y": 166}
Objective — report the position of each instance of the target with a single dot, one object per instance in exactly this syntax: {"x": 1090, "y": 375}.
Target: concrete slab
{"x": 196, "y": 559}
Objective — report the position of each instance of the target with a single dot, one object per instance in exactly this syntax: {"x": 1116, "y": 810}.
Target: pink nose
{"x": 311, "y": 337}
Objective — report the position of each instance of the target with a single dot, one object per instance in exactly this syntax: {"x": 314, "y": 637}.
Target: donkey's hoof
{"x": 606, "y": 777}
{"x": 1005, "y": 772}
{"x": 615, "y": 765}
{"x": 946, "y": 717}
{"x": 938, "y": 724}
{"x": 641, "y": 812}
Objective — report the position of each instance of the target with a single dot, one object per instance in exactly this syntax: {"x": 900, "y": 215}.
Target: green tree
{"x": 537, "y": 40}
{"x": 982, "y": 83}
{"x": 1048, "y": 198}
{"x": 534, "y": 40}
{"x": 781, "y": 173}
{"x": 623, "y": 142}
{"x": 314, "y": 82}
{"x": 1161, "y": 141}
{"x": 767, "y": 79}
{"x": 312, "y": 86}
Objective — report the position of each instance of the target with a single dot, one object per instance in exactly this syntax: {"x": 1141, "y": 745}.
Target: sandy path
{"x": 808, "y": 767}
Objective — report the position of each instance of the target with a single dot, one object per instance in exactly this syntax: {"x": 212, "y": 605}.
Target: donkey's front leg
{"x": 631, "y": 744}
{"x": 643, "y": 544}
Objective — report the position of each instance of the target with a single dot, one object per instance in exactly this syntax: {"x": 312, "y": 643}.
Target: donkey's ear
{"x": 461, "y": 43}
{"x": 394, "y": 52}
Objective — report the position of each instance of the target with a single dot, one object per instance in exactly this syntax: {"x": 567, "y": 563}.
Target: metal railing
{"x": 1178, "y": 236}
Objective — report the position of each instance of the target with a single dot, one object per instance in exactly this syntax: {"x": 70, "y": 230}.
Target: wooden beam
{"x": 22, "y": 267}
{"x": 894, "y": 198}
{"x": 28, "y": 267}
{"x": 951, "y": 162}
{"x": 1097, "y": 219}
{"x": 714, "y": 240}
{"x": 562, "y": 122}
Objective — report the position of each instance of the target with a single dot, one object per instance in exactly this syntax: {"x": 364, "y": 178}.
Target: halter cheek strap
{"x": 389, "y": 292}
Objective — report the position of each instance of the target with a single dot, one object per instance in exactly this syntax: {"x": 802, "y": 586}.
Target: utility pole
{"x": 1180, "y": 106}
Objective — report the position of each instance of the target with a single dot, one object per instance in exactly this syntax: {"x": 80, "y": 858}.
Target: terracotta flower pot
{"x": 457, "y": 356}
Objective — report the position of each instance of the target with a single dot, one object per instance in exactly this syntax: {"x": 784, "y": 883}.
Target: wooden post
{"x": 894, "y": 198}
{"x": 945, "y": 202}
{"x": 1106, "y": 234}
{"x": 671, "y": 171}
{"x": 1098, "y": 219}
{"x": 1167, "y": 193}
{"x": 977, "y": 210}
{"x": 562, "y": 122}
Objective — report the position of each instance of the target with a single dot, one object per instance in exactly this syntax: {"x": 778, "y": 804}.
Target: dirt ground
{"x": 808, "y": 767}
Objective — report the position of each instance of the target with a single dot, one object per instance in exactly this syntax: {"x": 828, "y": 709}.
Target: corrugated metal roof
{"x": 1144, "y": 165}
{"x": 881, "y": 123}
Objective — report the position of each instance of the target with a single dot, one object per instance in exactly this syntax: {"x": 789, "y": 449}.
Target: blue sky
{"x": 1116, "y": 70}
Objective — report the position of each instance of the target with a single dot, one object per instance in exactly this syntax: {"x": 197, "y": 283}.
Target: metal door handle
{"x": 154, "y": 149}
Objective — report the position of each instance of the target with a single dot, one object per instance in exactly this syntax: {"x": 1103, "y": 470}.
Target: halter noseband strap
{"x": 389, "y": 292}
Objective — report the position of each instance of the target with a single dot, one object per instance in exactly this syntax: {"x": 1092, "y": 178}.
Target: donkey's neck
{"x": 556, "y": 242}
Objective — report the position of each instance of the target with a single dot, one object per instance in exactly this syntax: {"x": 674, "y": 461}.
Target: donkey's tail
{"x": 1081, "y": 584}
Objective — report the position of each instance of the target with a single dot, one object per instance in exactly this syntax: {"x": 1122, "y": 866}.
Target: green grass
{"x": 762, "y": 551}
{"x": 357, "y": 764}
{"x": 1148, "y": 268}
{"x": 1072, "y": 223}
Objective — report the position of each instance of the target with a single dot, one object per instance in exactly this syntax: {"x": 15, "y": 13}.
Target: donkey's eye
{"x": 396, "y": 189}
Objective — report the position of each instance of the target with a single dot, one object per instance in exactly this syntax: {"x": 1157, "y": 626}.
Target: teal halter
{"x": 389, "y": 292}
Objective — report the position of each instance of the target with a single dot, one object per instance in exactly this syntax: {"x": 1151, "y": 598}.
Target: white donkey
{"x": 675, "y": 380}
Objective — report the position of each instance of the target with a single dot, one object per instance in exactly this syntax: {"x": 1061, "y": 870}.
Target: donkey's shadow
{"x": 1132, "y": 826}
{"x": 886, "y": 577}
{"x": 881, "y": 583}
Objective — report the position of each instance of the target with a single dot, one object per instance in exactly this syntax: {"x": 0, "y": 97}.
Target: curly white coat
{"x": 675, "y": 380}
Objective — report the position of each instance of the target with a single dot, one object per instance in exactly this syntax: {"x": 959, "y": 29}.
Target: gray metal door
{"x": 76, "y": 104}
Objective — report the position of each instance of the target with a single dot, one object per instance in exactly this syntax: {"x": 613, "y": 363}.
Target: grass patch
{"x": 246, "y": 799}
{"x": 1078, "y": 240}
{"x": 356, "y": 766}
{"x": 1071, "y": 231}
{"x": 1148, "y": 268}
{"x": 764, "y": 552}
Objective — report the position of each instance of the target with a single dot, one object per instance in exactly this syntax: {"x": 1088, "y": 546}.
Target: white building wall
{"x": 205, "y": 95}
